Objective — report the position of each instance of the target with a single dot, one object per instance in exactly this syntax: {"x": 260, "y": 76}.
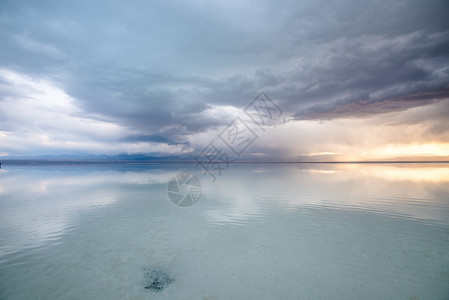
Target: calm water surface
{"x": 261, "y": 231}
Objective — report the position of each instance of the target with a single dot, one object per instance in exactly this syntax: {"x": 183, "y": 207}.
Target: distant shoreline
{"x": 22, "y": 162}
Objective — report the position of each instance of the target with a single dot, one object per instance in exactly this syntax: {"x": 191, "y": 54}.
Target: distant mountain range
{"x": 95, "y": 158}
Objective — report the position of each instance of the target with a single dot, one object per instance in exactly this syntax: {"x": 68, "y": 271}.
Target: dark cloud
{"x": 357, "y": 109}
{"x": 163, "y": 69}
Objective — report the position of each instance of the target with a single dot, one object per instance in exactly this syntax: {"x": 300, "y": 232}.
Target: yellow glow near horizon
{"x": 429, "y": 149}
{"x": 387, "y": 152}
{"x": 422, "y": 172}
{"x": 409, "y": 172}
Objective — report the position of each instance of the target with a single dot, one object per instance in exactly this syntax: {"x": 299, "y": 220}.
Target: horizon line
{"x": 111, "y": 161}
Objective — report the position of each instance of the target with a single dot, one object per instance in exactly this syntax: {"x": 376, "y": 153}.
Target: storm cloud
{"x": 165, "y": 76}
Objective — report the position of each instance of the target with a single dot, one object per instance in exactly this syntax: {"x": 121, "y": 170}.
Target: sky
{"x": 352, "y": 80}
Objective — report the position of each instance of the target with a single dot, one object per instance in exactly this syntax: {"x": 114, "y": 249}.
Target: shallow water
{"x": 260, "y": 231}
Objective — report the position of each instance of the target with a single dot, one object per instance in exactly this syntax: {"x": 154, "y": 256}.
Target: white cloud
{"x": 41, "y": 116}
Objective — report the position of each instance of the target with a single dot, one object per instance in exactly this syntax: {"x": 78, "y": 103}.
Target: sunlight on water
{"x": 261, "y": 231}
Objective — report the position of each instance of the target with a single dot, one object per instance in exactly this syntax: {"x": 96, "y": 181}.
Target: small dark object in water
{"x": 156, "y": 279}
